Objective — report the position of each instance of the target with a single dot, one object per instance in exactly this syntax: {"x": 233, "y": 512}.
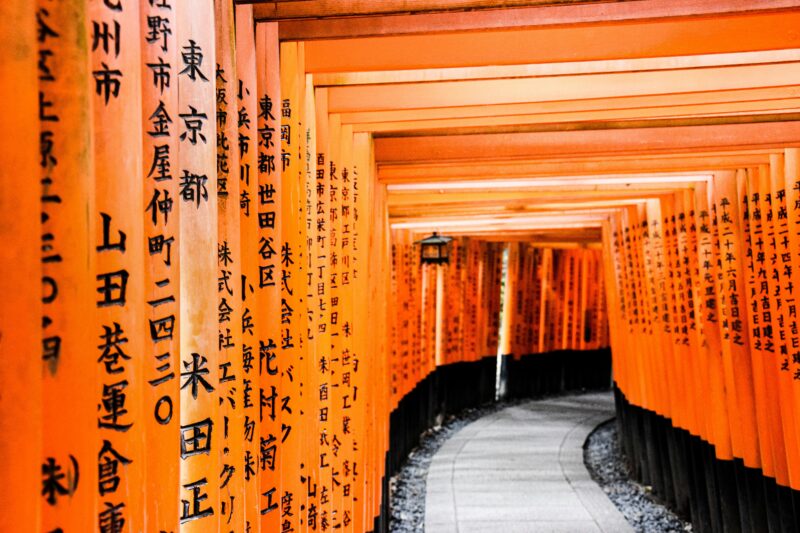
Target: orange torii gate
{"x": 228, "y": 325}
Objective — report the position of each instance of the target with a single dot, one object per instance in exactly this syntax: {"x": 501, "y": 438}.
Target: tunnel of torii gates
{"x": 214, "y": 316}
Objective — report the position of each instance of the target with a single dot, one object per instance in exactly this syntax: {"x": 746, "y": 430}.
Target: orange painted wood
{"x": 252, "y": 324}
{"x": 370, "y": 23}
{"x": 20, "y": 313}
{"x": 772, "y": 181}
{"x": 270, "y": 270}
{"x": 790, "y": 176}
{"x": 607, "y": 40}
{"x": 233, "y": 392}
{"x": 745, "y": 436}
{"x": 66, "y": 173}
{"x": 118, "y": 244}
{"x": 320, "y": 292}
{"x": 288, "y": 402}
{"x": 160, "y": 172}
{"x": 202, "y": 427}
{"x": 710, "y": 314}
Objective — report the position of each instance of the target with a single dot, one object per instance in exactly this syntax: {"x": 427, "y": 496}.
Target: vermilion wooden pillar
{"x": 268, "y": 207}
{"x": 118, "y": 244}
{"x": 160, "y": 176}
{"x": 320, "y": 297}
{"x": 201, "y": 428}
{"x": 738, "y": 372}
{"x": 66, "y": 173}
{"x": 251, "y": 322}
{"x": 791, "y": 184}
{"x": 363, "y": 373}
{"x": 20, "y": 314}
{"x": 288, "y": 401}
{"x": 709, "y": 316}
{"x": 230, "y": 315}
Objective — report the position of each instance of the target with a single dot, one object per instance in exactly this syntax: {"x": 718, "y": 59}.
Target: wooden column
{"x": 21, "y": 312}
{"x": 269, "y": 269}
{"x": 231, "y": 317}
{"x": 160, "y": 59}
{"x": 201, "y": 427}
{"x": 117, "y": 241}
{"x": 66, "y": 173}
{"x": 287, "y": 400}
{"x": 252, "y": 323}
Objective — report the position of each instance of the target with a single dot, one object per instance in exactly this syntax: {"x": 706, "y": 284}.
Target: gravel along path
{"x": 601, "y": 454}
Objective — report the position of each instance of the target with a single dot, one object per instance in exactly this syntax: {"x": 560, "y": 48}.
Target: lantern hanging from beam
{"x": 435, "y": 249}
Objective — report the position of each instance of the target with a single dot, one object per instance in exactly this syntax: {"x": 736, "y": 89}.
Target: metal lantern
{"x": 435, "y": 249}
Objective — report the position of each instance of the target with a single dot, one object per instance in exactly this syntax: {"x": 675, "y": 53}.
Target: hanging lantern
{"x": 435, "y": 249}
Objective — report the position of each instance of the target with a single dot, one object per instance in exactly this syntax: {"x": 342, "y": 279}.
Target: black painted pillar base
{"x": 716, "y": 495}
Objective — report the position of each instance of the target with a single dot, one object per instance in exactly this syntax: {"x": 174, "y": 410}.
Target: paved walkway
{"x": 521, "y": 470}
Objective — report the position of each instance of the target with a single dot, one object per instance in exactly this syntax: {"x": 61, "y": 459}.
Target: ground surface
{"x": 521, "y": 427}
{"x": 520, "y": 469}
{"x": 603, "y": 458}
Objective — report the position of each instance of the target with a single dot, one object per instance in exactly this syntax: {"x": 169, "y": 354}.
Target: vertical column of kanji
{"x": 67, "y": 183}
{"x": 763, "y": 304}
{"x": 118, "y": 242}
{"x": 791, "y": 186}
{"x": 708, "y": 318}
{"x": 320, "y": 302}
{"x": 484, "y": 300}
{"x": 628, "y": 311}
{"x": 393, "y": 350}
{"x": 640, "y": 233}
{"x": 160, "y": 144}
{"x": 611, "y": 274}
{"x": 201, "y": 427}
{"x": 652, "y": 324}
{"x": 780, "y": 261}
{"x": 311, "y": 424}
{"x": 20, "y": 313}
{"x": 672, "y": 319}
{"x": 549, "y": 326}
{"x": 752, "y": 234}
{"x": 574, "y": 312}
{"x": 557, "y": 300}
{"x": 479, "y": 316}
{"x": 349, "y": 328}
{"x": 735, "y": 327}
{"x": 379, "y": 246}
{"x": 544, "y": 288}
{"x": 690, "y": 350}
{"x": 330, "y": 493}
{"x": 602, "y": 309}
{"x": 230, "y": 315}
{"x": 560, "y": 300}
{"x": 287, "y": 401}
{"x": 269, "y": 269}
{"x": 479, "y": 335}
{"x": 769, "y": 307}
{"x": 530, "y": 290}
{"x": 657, "y": 230}
{"x": 694, "y": 298}
{"x": 249, "y": 227}
{"x": 363, "y": 358}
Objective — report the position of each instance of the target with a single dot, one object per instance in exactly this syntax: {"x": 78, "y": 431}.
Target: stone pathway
{"x": 521, "y": 470}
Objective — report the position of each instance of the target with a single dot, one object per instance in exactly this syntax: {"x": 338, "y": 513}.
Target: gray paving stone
{"x": 521, "y": 470}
